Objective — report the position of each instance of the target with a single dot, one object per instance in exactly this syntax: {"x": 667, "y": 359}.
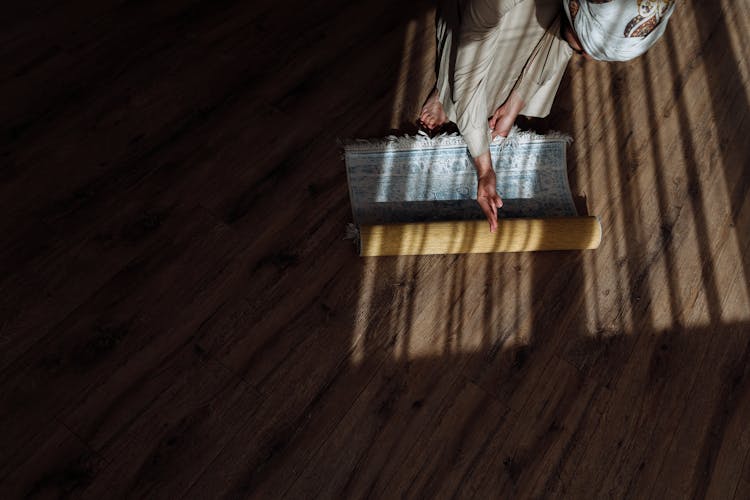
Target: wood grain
{"x": 180, "y": 316}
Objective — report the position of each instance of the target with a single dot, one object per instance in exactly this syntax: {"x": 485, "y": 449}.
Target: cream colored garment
{"x": 486, "y": 49}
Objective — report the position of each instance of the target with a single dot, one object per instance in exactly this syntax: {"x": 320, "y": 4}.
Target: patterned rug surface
{"x": 417, "y": 178}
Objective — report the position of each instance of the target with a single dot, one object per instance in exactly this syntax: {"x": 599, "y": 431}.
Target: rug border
{"x": 422, "y": 141}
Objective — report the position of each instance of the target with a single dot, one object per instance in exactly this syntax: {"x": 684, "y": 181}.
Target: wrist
{"x": 483, "y": 164}
{"x": 485, "y": 172}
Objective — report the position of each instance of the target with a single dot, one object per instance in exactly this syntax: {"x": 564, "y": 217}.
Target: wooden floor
{"x": 180, "y": 316}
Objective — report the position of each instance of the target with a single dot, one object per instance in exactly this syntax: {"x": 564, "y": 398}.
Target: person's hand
{"x": 488, "y": 198}
{"x": 502, "y": 120}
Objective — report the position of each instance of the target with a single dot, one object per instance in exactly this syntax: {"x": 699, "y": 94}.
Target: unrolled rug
{"x": 418, "y": 178}
{"x": 417, "y": 195}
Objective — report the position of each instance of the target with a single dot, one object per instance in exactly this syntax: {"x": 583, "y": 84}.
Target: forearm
{"x": 483, "y": 164}
{"x": 487, "y": 196}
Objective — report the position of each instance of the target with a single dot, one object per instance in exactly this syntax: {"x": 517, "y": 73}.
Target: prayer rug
{"x": 418, "y": 178}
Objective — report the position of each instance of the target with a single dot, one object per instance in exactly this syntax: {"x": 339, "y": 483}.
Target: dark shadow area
{"x": 181, "y": 317}
{"x": 721, "y": 63}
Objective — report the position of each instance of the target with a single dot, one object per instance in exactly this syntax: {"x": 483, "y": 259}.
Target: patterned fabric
{"x": 418, "y": 179}
{"x": 618, "y": 30}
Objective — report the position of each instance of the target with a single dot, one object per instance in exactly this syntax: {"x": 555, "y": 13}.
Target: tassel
{"x": 351, "y": 232}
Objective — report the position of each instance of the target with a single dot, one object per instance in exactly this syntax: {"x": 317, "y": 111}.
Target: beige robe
{"x": 488, "y": 48}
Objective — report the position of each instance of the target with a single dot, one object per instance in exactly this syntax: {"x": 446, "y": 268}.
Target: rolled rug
{"x": 473, "y": 236}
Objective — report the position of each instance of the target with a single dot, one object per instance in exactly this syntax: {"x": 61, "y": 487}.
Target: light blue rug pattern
{"x": 413, "y": 179}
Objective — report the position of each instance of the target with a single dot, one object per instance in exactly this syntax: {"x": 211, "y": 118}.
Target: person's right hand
{"x": 488, "y": 198}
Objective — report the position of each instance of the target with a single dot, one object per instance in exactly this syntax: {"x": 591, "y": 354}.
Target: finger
{"x": 487, "y": 209}
{"x": 484, "y": 205}
{"x": 498, "y": 201}
{"x": 493, "y": 120}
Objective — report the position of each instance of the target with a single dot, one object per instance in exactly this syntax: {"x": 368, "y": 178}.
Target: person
{"x": 497, "y": 59}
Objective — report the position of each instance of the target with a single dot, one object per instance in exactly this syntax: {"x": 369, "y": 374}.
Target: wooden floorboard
{"x": 180, "y": 316}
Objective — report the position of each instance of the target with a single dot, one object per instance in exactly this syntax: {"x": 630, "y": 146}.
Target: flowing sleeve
{"x": 477, "y": 40}
{"x": 541, "y": 77}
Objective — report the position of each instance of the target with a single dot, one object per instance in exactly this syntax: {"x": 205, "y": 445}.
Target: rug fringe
{"x": 351, "y": 232}
{"x": 422, "y": 140}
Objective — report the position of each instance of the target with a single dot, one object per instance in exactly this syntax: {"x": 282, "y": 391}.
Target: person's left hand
{"x": 488, "y": 198}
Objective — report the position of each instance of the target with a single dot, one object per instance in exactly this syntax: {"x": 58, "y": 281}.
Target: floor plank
{"x": 180, "y": 316}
